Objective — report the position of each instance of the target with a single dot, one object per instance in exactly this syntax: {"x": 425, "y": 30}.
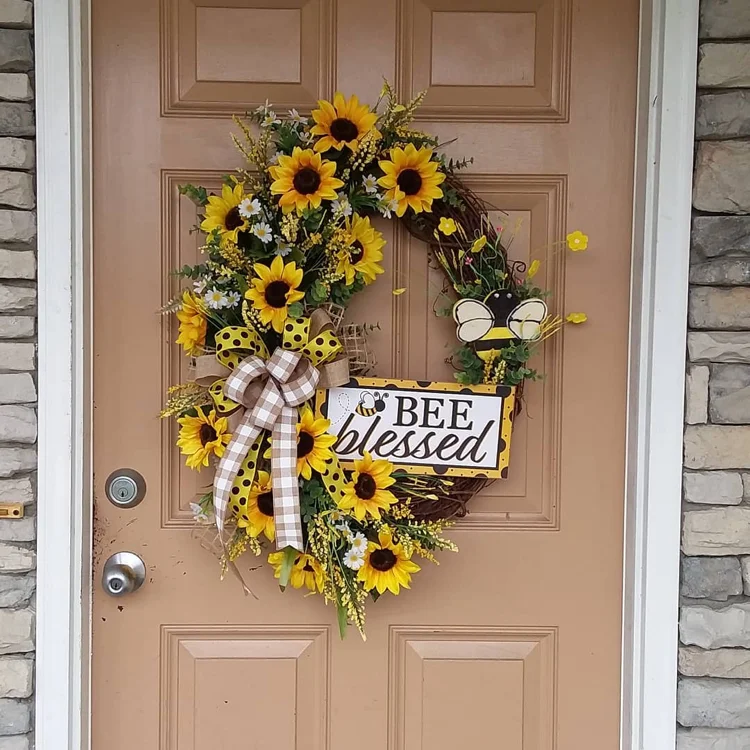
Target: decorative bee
{"x": 370, "y": 404}
{"x": 501, "y": 317}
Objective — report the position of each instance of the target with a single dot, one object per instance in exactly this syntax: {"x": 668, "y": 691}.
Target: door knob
{"x": 124, "y": 573}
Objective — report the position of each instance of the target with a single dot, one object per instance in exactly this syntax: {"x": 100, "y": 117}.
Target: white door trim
{"x": 657, "y": 365}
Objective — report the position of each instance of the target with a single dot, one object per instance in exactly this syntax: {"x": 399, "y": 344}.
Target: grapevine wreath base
{"x": 288, "y": 243}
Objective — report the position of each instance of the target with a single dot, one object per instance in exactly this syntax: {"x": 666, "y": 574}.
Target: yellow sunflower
{"x": 411, "y": 179}
{"x": 223, "y": 213}
{"x": 342, "y": 123}
{"x": 306, "y": 571}
{"x": 386, "y": 566}
{"x": 303, "y": 179}
{"x": 313, "y": 443}
{"x": 202, "y": 437}
{"x": 192, "y": 317}
{"x": 365, "y": 251}
{"x": 257, "y": 516}
{"x": 367, "y": 492}
{"x": 274, "y": 290}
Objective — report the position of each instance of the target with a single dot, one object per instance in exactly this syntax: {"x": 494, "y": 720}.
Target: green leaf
{"x": 290, "y": 555}
{"x": 341, "y": 616}
{"x": 296, "y": 310}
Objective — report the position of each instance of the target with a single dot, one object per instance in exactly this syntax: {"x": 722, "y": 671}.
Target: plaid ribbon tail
{"x": 286, "y": 509}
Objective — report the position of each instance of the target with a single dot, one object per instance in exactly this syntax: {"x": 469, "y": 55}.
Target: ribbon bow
{"x": 262, "y": 393}
{"x": 291, "y": 381}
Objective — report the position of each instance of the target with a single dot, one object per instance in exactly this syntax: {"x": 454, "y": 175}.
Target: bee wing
{"x": 526, "y": 319}
{"x": 367, "y": 400}
{"x": 474, "y": 320}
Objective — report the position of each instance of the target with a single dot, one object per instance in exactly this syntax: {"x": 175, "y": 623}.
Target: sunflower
{"x": 201, "y": 437}
{"x": 303, "y": 179}
{"x": 364, "y": 253}
{"x": 411, "y": 179}
{"x": 342, "y": 123}
{"x": 367, "y": 492}
{"x": 274, "y": 290}
{"x": 192, "y": 317}
{"x": 257, "y": 517}
{"x": 386, "y": 566}
{"x": 223, "y": 213}
{"x": 306, "y": 571}
{"x": 313, "y": 443}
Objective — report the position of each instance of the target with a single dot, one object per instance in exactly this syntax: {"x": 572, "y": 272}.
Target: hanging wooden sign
{"x": 425, "y": 427}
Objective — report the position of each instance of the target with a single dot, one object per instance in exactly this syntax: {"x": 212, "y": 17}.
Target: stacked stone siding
{"x": 714, "y": 651}
{"x": 17, "y": 372}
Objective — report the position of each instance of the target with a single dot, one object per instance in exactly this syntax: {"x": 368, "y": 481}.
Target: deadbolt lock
{"x": 125, "y": 488}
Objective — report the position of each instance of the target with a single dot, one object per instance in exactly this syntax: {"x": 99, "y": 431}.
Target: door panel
{"x": 515, "y": 640}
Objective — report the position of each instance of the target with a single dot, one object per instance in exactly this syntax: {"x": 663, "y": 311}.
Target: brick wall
{"x": 17, "y": 376}
{"x": 714, "y": 651}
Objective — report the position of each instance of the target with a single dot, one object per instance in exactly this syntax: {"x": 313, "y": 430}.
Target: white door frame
{"x": 663, "y": 182}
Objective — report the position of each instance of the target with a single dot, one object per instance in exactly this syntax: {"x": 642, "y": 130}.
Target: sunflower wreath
{"x": 289, "y": 239}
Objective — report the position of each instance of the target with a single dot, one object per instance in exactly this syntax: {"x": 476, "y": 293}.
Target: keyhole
{"x": 115, "y": 585}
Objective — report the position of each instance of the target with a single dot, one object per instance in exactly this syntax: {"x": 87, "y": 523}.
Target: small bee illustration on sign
{"x": 501, "y": 317}
{"x": 370, "y": 404}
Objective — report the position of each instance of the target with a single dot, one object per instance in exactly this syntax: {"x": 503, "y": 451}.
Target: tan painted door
{"x": 515, "y": 642}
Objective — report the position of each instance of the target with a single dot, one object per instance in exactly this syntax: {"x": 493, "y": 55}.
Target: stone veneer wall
{"x": 714, "y": 651}
{"x": 17, "y": 377}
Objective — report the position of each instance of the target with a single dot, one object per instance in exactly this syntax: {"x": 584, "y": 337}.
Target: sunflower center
{"x": 409, "y": 180}
{"x": 207, "y": 434}
{"x": 305, "y": 443}
{"x": 343, "y": 129}
{"x": 357, "y": 251}
{"x": 306, "y": 181}
{"x": 233, "y": 219}
{"x": 365, "y": 487}
{"x": 382, "y": 559}
{"x": 265, "y": 503}
{"x": 276, "y": 293}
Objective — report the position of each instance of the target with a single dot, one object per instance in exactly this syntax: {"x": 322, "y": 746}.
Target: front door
{"x": 515, "y": 642}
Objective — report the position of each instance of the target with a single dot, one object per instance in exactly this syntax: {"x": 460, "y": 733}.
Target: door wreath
{"x": 288, "y": 243}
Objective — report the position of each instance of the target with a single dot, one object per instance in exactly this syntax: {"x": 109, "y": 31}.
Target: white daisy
{"x": 283, "y": 249}
{"x": 354, "y": 560}
{"x": 341, "y": 206}
{"x": 216, "y": 298}
{"x": 359, "y": 543}
{"x": 200, "y": 515}
{"x": 296, "y": 117}
{"x": 274, "y": 159}
{"x": 233, "y": 298}
{"x": 200, "y": 286}
{"x": 387, "y": 207}
{"x": 270, "y": 119}
{"x": 249, "y": 207}
{"x": 263, "y": 108}
{"x": 370, "y": 183}
{"x": 306, "y": 136}
{"x": 263, "y": 232}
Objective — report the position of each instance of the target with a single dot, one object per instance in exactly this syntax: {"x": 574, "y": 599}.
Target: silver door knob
{"x": 124, "y": 573}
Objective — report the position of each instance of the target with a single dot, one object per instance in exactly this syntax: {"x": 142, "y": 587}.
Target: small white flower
{"x": 359, "y": 543}
{"x": 200, "y": 286}
{"x": 270, "y": 119}
{"x": 386, "y": 207}
{"x": 263, "y": 108}
{"x": 283, "y": 249}
{"x": 370, "y": 183}
{"x": 215, "y": 298}
{"x": 233, "y": 298}
{"x": 354, "y": 560}
{"x": 249, "y": 207}
{"x": 274, "y": 159}
{"x": 296, "y": 117}
{"x": 341, "y": 206}
{"x": 305, "y": 136}
{"x": 263, "y": 232}
{"x": 200, "y": 515}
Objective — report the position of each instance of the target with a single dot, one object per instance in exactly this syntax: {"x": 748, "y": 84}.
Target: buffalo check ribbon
{"x": 291, "y": 379}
